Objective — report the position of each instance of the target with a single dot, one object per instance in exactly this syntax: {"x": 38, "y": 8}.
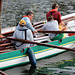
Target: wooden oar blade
{"x": 33, "y": 42}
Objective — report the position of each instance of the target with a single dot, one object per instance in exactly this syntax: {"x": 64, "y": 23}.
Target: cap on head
{"x": 22, "y": 23}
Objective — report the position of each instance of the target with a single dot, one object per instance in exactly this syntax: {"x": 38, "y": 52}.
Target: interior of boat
{"x": 7, "y": 46}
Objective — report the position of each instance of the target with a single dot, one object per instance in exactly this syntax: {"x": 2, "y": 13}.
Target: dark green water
{"x": 12, "y": 12}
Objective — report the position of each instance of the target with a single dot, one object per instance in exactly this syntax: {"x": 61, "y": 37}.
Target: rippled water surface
{"x": 12, "y": 12}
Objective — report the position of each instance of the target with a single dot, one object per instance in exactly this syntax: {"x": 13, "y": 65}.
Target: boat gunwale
{"x": 37, "y": 52}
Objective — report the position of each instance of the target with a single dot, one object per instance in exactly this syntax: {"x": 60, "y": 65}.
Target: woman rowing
{"x": 52, "y": 25}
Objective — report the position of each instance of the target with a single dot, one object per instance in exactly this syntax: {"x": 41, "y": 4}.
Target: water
{"x": 12, "y": 12}
{"x": 61, "y": 64}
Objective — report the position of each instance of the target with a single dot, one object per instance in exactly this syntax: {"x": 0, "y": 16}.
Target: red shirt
{"x": 56, "y": 15}
{"x": 25, "y": 16}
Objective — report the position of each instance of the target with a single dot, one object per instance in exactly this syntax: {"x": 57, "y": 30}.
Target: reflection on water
{"x": 65, "y": 67}
{"x": 31, "y": 71}
{"x": 13, "y": 10}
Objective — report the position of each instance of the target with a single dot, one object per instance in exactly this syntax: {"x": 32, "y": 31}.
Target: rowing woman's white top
{"x": 51, "y": 26}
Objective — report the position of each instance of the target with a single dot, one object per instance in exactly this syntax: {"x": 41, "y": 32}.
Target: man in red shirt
{"x": 56, "y": 15}
{"x": 54, "y": 12}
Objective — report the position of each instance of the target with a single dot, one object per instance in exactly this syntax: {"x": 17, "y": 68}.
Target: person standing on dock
{"x": 24, "y": 33}
{"x": 28, "y": 17}
{"x": 57, "y": 16}
{"x": 52, "y": 25}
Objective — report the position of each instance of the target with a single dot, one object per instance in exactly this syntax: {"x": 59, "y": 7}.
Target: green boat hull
{"x": 16, "y": 57}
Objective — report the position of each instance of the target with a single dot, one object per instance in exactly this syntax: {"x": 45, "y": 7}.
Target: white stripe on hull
{"x": 14, "y": 61}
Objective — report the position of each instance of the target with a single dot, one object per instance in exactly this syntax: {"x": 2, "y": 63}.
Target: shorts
{"x": 58, "y": 37}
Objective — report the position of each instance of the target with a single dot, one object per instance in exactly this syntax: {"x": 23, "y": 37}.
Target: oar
{"x": 2, "y": 73}
{"x": 3, "y": 45}
{"x": 64, "y": 20}
{"x": 32, "y": 42}
{"x": 7, "y": 33}
{"x": 38, "y": 27}
{"x": 56, "y": 31}
{"x": 3, "y": 51}
{"x": 68, "y": 18}
{"x": 39, "y": 23}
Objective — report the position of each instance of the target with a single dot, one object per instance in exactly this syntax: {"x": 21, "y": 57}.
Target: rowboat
{"x": 11, "y": 58}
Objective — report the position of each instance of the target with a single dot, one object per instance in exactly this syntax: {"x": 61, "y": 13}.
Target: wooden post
{"x": 0, "y": 14}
